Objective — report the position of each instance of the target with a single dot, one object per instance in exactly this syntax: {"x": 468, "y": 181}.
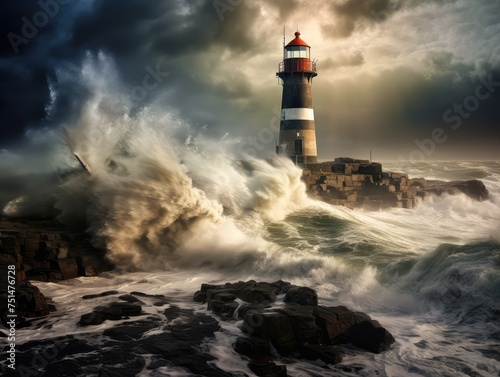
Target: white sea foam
{"x": 163, "y": 198}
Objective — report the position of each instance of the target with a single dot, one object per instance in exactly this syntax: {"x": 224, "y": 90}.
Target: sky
{"x": 413, "y": 79}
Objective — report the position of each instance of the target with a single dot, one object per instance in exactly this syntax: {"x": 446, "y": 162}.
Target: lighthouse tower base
{"x": 299, "y": 145}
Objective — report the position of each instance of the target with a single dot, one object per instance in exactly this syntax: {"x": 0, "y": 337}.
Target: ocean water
{"x": 175, "y": 209}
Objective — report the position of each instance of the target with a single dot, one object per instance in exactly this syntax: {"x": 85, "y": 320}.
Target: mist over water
{"x": 180, "y": 209}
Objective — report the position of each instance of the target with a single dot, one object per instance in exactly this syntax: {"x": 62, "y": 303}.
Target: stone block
{"x": 62, "y": 252}
{"x": 31, "y": 245}
{"x": 68, "y": 268}
{"x": 7, "y": 259}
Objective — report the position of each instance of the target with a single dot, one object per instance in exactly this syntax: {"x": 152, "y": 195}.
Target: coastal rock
{"x": 114, "y": 311}
{"x": 123, "y": 349}
{"x": 326, "y": 353}
{"x": 361, "y": 183}
{"x": 30, "y": 302}
{"x": 303, "y": 321}
{"x": 302, "y": 296}
{"x": 269, "y": 369}
{"x": 102, "y": 294}
{"x": 300, "y": 327}
{"x": 49, "y": 255}
{"x": 473, "y": 188}
{"x": 339, "y": 325}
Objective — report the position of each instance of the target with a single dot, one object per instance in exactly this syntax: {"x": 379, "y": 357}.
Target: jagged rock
{"x": 300, "y": 326}
{"x": 257, "y": 294}
{"x": 303, "y": 322}
{"x": 131, "y": 299}
{"x": 113, "y": 312}
{"x": 328, "y": 354}
{"x": 473, "y": 188}
{"x": 30, "y": 301}
{"x": 269, "y": 369}
{"x": 250, "y": 291}
{"x": 340, "y": 325}
{"x": 302, "y": 296}
{"x": 224, "y": 309}
{"x": 371, "y": 336}
{"x": 68, "y": 268}
{"x": 94, "y": 318}
{"x": 159, "y": 300}
{"x": 102, "y": 294}
{"x": 142, "y": 294}
{"x": 127, "y": 309}
{"x": 244, "y": 308}
{"x": 200, "y": 296}
{"x": 275, "y": 326}
{"x": 253, "y": 347}
{"x": 359, "y": 183}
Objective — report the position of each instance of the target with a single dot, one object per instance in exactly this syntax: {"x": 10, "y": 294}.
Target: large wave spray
{"x": 159, "y": 194}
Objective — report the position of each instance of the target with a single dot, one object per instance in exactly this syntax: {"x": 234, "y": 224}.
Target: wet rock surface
{"x": 169, "y": 343}
{"x": 43, "y": 251}
{"x": 300, "y": 328}
{"x": 147, "y": 339}
{"x": 361, "y": 183}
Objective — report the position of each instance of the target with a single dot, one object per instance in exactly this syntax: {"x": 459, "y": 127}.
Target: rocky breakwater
{"x": 42, "y": 251}
{"x": 289, "y": 318}
{"x": 361, "y": 183}
{"x": 135, "y": 333}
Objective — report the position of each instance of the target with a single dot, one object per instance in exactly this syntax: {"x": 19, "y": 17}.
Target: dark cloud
{"x": 221, "y": 64}
{"x": 286, "y": 8}
{"x": 138, "y": 34}
{"x": 389, "y": 112}
{"x": 350, "y": 16}
{"x": 353, "y": 14}
{"x": 343, "y": 60}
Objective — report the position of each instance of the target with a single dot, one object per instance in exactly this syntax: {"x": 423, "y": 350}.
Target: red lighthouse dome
{"x": 297, "y": 41}
{"x": 297, "y": 56}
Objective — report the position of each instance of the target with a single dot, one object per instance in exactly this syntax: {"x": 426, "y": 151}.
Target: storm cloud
{"x": 389, "y": 70}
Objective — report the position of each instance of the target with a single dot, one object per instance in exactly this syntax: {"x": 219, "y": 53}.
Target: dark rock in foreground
{"x": 300, "y": 328}
{"x": 174, "y": 340}
{"x": 123, "y": 350}
{"x": 113, "y": 312}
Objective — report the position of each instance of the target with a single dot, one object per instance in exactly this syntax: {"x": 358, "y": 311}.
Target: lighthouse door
{"x": 298, "y": 146}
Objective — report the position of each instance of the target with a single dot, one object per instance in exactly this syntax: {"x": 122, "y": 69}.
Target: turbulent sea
{"x": 174, "y": 215}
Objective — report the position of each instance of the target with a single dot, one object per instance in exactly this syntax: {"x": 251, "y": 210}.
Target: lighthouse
{"x": 297, "y": 137}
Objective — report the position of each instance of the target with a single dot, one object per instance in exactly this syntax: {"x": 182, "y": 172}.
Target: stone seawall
{"x": 43, "y": 251}
{"x": 361, "y": 183}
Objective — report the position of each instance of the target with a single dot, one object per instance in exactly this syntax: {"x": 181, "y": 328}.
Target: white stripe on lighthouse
{"x": 297, "y": 114}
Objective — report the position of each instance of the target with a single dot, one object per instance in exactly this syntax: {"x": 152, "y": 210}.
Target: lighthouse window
{"x": 297, "y": 52}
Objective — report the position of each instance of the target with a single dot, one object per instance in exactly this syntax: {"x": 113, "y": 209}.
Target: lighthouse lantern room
{"x": 297, "y": 137}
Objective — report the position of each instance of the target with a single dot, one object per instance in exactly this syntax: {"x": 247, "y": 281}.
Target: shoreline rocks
{"x": 360, "y": 183}
{"x": 300, "y": 327}
{"x": 148, "y": 337}
{"x": 43, "y": 251}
